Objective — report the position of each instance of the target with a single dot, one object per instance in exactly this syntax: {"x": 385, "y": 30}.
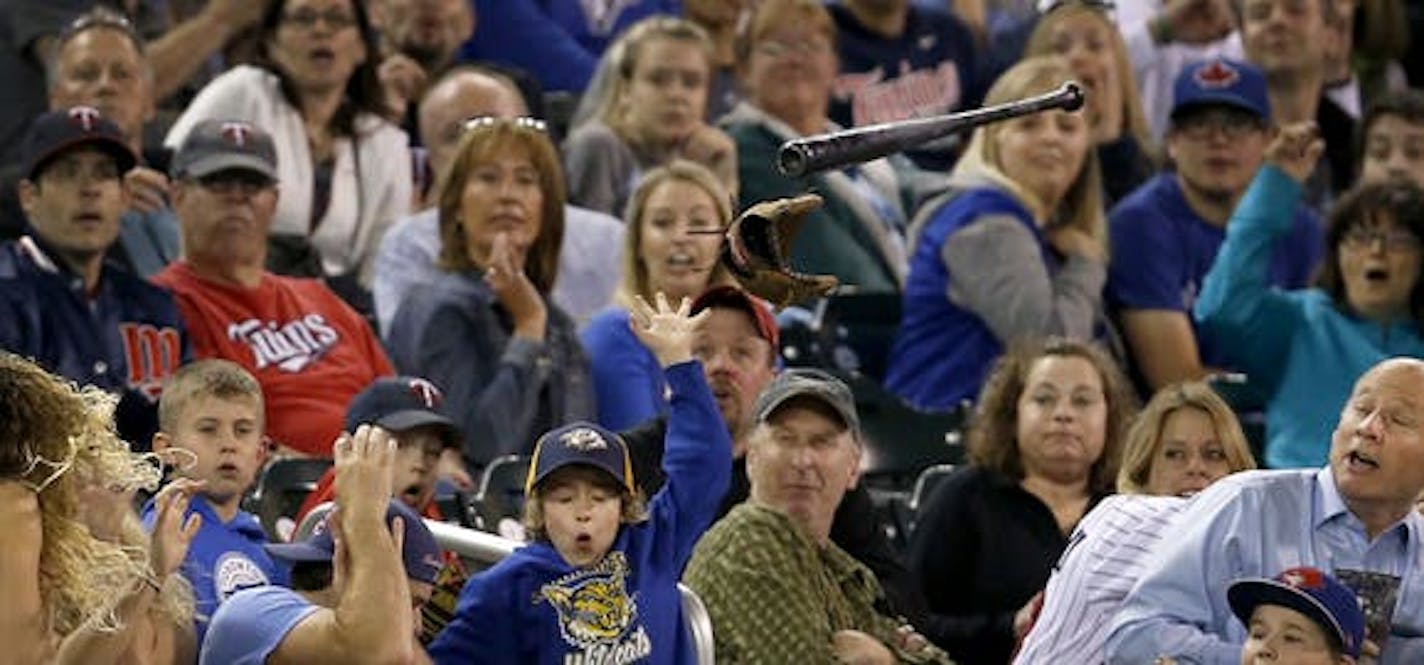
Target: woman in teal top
{"x": 1307, "y": 347}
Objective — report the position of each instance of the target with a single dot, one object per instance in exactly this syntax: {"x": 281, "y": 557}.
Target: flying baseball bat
{"x": 862, "y": 144}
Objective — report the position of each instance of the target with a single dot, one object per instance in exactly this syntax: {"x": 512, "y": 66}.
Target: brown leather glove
{"x": 758, "y": 243}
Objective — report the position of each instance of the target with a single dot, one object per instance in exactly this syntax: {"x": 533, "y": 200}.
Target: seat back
{"x": 501, "y": 493}
{"x": 924, "y": 486}
{"x": 281, "y": 489}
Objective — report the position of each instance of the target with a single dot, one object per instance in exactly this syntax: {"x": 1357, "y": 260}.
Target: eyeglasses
{"x": 247, "y": 183}
{"x": 1230, "y": 122}
{"x": 772, "y": 48}
{"x": 522, "y": 122}
{"x": 1391, "y": 241}
{"x": 307, "y": 18}
{"x": 1048, "y": 6}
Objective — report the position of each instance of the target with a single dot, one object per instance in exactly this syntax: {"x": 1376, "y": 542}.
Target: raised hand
{"x": 1296, "y": 149}
{"x": 505, "y": 276}
{"x": 667, "y": 332}
{"x": 402, "y": 78}
{"x": 363, "y": 472}
{"x": 172, "y": 535}
{"x": 148, "y": 189}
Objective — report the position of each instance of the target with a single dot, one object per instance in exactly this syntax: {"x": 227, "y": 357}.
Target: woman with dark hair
{"x": 344, "y": 169}
{"x": 1043, "y": 450}
{"x": 509, "y": 359}
{"x": 1306, "y": 348}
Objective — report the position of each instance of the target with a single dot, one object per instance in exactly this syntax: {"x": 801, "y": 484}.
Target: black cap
{"x": 59, "y": 131}
{"x": 401, "y": 403}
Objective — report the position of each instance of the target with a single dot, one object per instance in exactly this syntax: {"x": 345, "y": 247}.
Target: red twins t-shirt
{"x": 310, "y": 351}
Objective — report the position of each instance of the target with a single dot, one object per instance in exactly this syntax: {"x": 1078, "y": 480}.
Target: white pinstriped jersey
{"x": 1105, "y": 557}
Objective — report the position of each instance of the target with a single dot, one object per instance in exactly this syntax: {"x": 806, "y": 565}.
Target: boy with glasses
{"x": 61, "y": 303}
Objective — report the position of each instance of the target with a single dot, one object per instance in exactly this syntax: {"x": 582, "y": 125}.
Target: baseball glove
{"x": 757, "y": 249}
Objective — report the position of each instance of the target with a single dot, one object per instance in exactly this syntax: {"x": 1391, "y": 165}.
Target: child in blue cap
{"x": 1302, "y": 616}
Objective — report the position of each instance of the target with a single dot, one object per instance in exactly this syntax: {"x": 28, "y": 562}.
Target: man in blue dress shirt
{"x": 1356, "y": 514}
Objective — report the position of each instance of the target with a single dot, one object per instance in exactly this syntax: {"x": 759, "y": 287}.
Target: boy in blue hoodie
{"x": 211, "y": 429}
{"x": 598, "y": 584}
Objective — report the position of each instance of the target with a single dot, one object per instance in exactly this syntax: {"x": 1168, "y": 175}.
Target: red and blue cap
{"x": 419, "y": 552}
{"x": 1322, "y": 598}
{"x": 1222, "y": 82}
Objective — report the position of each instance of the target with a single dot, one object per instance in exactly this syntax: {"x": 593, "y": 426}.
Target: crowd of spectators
{"x": 422, "y": 239}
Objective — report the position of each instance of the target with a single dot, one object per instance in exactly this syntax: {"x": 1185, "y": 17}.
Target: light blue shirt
{"x": 1257, "y": 524}
{"x": 590, "y": 263}
{"x": 252, "y": 624}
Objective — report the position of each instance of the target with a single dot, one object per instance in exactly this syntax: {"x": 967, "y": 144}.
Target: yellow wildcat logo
{"x": 594, "y": 606}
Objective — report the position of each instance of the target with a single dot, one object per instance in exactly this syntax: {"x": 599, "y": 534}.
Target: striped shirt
{"x": 1105, "y": 557}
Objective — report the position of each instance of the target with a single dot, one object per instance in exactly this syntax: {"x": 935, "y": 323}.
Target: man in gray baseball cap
{"x": 217, "y": 146}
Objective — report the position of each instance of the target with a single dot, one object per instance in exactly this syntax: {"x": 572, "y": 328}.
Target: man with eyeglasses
{"x": 61, "y": 302}
{"x": 310, "y": 351}
{"x": 1166, "y": 234}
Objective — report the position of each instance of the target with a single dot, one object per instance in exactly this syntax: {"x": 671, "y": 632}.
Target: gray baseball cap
{"x": 223, "y": 145}
{"x": 812, "y": 383}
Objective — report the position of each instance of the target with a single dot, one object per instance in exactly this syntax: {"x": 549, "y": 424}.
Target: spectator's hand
{"x": 1073, "y": 241}
{"x": 667, "y": 332}
{"x": 363, "y": 471}
{"x": 1023, "y": 619}
{"x": 238, "y": 15}
{"x": 505, "y": 276}
{"x": 910, "y": 641}
{"x": 403, "y": 79}
{"x": 148, "y": 187}
{"x": 1296, "y": 149}
{"x": 712, "y": 148}
{"x": 1369, "y": 653}
{"x": 856, "y": 648}
{"x": 715, "y": 13}
{"x": 1198, "y": 21}
{"x": 452, "y": 468}
{"x": 171, "y": 533}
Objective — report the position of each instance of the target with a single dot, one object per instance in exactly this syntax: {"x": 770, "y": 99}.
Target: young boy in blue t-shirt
{"x": 210, "y": 423}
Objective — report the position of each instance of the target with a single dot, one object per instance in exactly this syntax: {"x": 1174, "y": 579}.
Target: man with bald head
{"x": 1354, "y": 518}
{"x": 592, "y": 250}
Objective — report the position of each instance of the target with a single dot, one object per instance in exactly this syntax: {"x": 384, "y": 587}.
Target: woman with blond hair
{"x": 1043, "y": 450}
{"x": 1185, "y": 439}
{"x": 1016, "y": 248}
{"x": 509, "y": 359}
{"x": 73, "y": 595}
{"x": 674, "y": 225}
{"x": 652, "y": 112}
{"x": 1086, "y": 38}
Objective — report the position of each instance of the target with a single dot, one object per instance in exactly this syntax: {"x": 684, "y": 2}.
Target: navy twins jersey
{"x": 126, "y": 337}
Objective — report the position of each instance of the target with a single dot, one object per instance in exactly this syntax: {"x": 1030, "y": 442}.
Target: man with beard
{"x": 737, "y": 345}
{"x": 1354, "y": 518}
{"x": 1165, "y": 234}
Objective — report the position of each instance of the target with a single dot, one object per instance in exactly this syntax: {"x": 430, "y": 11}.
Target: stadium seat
{"x": 500, "y": 495}
{"x": 924, "y": 486}
{"x": 281, "y": 489}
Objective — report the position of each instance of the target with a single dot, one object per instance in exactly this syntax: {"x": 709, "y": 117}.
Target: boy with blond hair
{"x": 211, "y": 430}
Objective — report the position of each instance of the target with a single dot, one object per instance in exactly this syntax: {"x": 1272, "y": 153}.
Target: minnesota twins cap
{"x": 402, "y": 403}
{"x": 59, "y": 131}
{"x": 220, "y": 145}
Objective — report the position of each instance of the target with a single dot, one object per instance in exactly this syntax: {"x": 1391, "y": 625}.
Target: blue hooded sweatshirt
{"x": 533, "y": 607}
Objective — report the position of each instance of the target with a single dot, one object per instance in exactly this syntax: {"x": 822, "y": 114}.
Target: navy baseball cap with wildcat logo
{"x": 580, "y": 443}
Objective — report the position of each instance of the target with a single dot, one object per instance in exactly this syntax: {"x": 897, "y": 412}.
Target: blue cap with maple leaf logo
{"x": 1222, "y": 82}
